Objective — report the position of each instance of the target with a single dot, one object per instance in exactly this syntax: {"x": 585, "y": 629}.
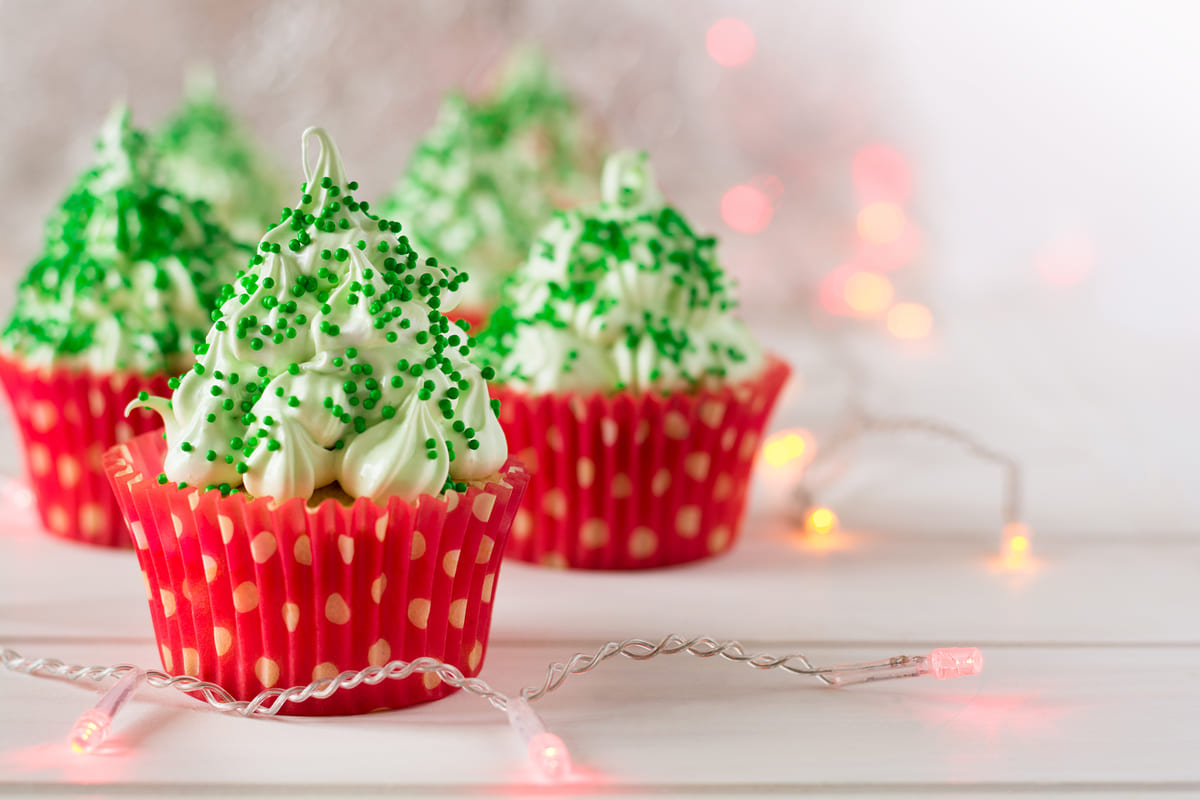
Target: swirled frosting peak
{"x": 330, "y": 359}
{"x": 129, "y": 270}
{"x": 619, "y": 295}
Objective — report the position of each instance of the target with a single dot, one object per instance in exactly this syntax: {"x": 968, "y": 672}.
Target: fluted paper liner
{"x": 632, "y": 481}
{"x": 67, "y": 419}
{"x": 253, "y": 595}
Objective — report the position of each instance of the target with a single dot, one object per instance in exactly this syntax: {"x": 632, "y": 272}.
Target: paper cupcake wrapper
{"x": 67, "y": 420}
{"x": 632, "y": 481}
{"x": 476, "y": 316}
{"x": 251, "y": 595}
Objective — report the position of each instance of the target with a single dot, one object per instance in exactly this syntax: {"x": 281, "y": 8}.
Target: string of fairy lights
{"x": 547, "y": 753}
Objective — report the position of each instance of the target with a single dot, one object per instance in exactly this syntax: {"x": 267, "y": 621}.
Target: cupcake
{"x": 489, "y": 173}
{"x": 115, "y": 304}
{"x": 206, "y": 155}
{"x": 627, "y": 386}
{"x": 332, "y": 490}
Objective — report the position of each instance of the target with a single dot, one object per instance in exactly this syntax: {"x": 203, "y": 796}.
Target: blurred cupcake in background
{"x": 333, "y": 491}
{"x": 206, "y": 154}
{"x": 483, "y": 180}
{"x": 115, "y": 303}
{"x": 626, "y": 385}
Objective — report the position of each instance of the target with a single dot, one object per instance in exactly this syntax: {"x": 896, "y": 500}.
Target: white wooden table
{"x": 1092, "y": 677}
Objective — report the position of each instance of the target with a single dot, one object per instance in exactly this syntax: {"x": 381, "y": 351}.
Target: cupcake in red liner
{"x": 332, "y": 490}
{"x": 253, "y": 595}
{"x": 67, "y": 419}
{"x": 114, "y": 305}
{"x": 626, "y": 386}
{"x": 484, "y": 178}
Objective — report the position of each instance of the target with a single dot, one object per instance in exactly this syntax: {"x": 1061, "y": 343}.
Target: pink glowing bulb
{"x": 955, "y": 662}
{"x": 94, "y": 725}
{"x": 90, "y": 731}
{"x": 549, "y": 756}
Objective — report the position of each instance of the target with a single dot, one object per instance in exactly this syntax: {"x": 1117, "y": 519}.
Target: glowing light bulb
{"x": 909, "y": 321}
{"x": 546, "y": 751}
{"x": 942, "y": 663}
{"x": 786, "y": 447}
{"x": 820, "y": 521}
{"x": 882, "y": 222}
{"x": 746, "y": 209}
{"x": 730, "y": 42}
{"x": 1016, "y": 537}
{"x": 94, "y": 725}
{"x": 550, "y": 756}
{"x": 868, "y": 293}
{"x": 955, "y": 662}
{"x": 90, "y": 731}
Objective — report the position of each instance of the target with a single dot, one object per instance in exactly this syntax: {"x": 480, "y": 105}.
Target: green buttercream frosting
{"x": 129, "y": 269}
{"x": 206, "y": 154}
{"x": 490, "y": 172}
{"x": 621, "y": 295}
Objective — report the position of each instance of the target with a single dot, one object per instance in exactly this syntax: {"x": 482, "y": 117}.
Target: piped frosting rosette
{"x": 333, "y": 490}
{"x": 627, "y": 386}
{"x": 115, "y": 304}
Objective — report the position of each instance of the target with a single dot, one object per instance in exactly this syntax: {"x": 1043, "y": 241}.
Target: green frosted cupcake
{"x": 116, "y": 303}
{"x": 489, "y": 173}
{"x": 206, "y": 154}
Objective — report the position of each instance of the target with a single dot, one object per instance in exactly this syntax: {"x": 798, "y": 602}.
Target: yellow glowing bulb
{"x": 882, "y": 222}
{"x": 783, "y": 448}
{"x": 909, "y": 321}
{"x": 868, "y": 293}
{"x": 820, "y": 521}
{"x": 1016, "y": 539}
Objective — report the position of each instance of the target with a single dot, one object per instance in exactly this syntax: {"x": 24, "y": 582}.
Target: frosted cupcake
{"x": 207, "y": 155}
{"x": 627, "y": 386}
{"x": 115, "y": 303}
{"x": 333, "y": 490}
{"x": 488, "y": 174}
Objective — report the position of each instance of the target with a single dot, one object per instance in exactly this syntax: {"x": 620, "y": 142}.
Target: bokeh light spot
{"x": 820, "y": 521}
{"x": 882, "y": 222}
{"x": 746, "y": 209}
{"x": 785, "y": 447}
{"x": 730, "y": 42}
{"x": 881, "y": 173}
{"x": 909, "y": 321}
{"x": 868, "y": 293}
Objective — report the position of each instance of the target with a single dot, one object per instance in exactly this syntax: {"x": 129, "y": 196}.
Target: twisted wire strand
{"x": 859, "y": 422}
{"x": 270, "y": 702}
{"x": 862, "y": 424}
{"x": 642, "y": 649}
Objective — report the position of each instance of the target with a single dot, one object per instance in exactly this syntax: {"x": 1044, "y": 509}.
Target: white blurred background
{"x": 1050, "y": 154}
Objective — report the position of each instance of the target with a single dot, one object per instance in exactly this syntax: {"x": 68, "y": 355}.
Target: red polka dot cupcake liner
{"x": 67, "y": 419}
{"x": 633, "y": 481}
{"x": 253, "y": 595}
